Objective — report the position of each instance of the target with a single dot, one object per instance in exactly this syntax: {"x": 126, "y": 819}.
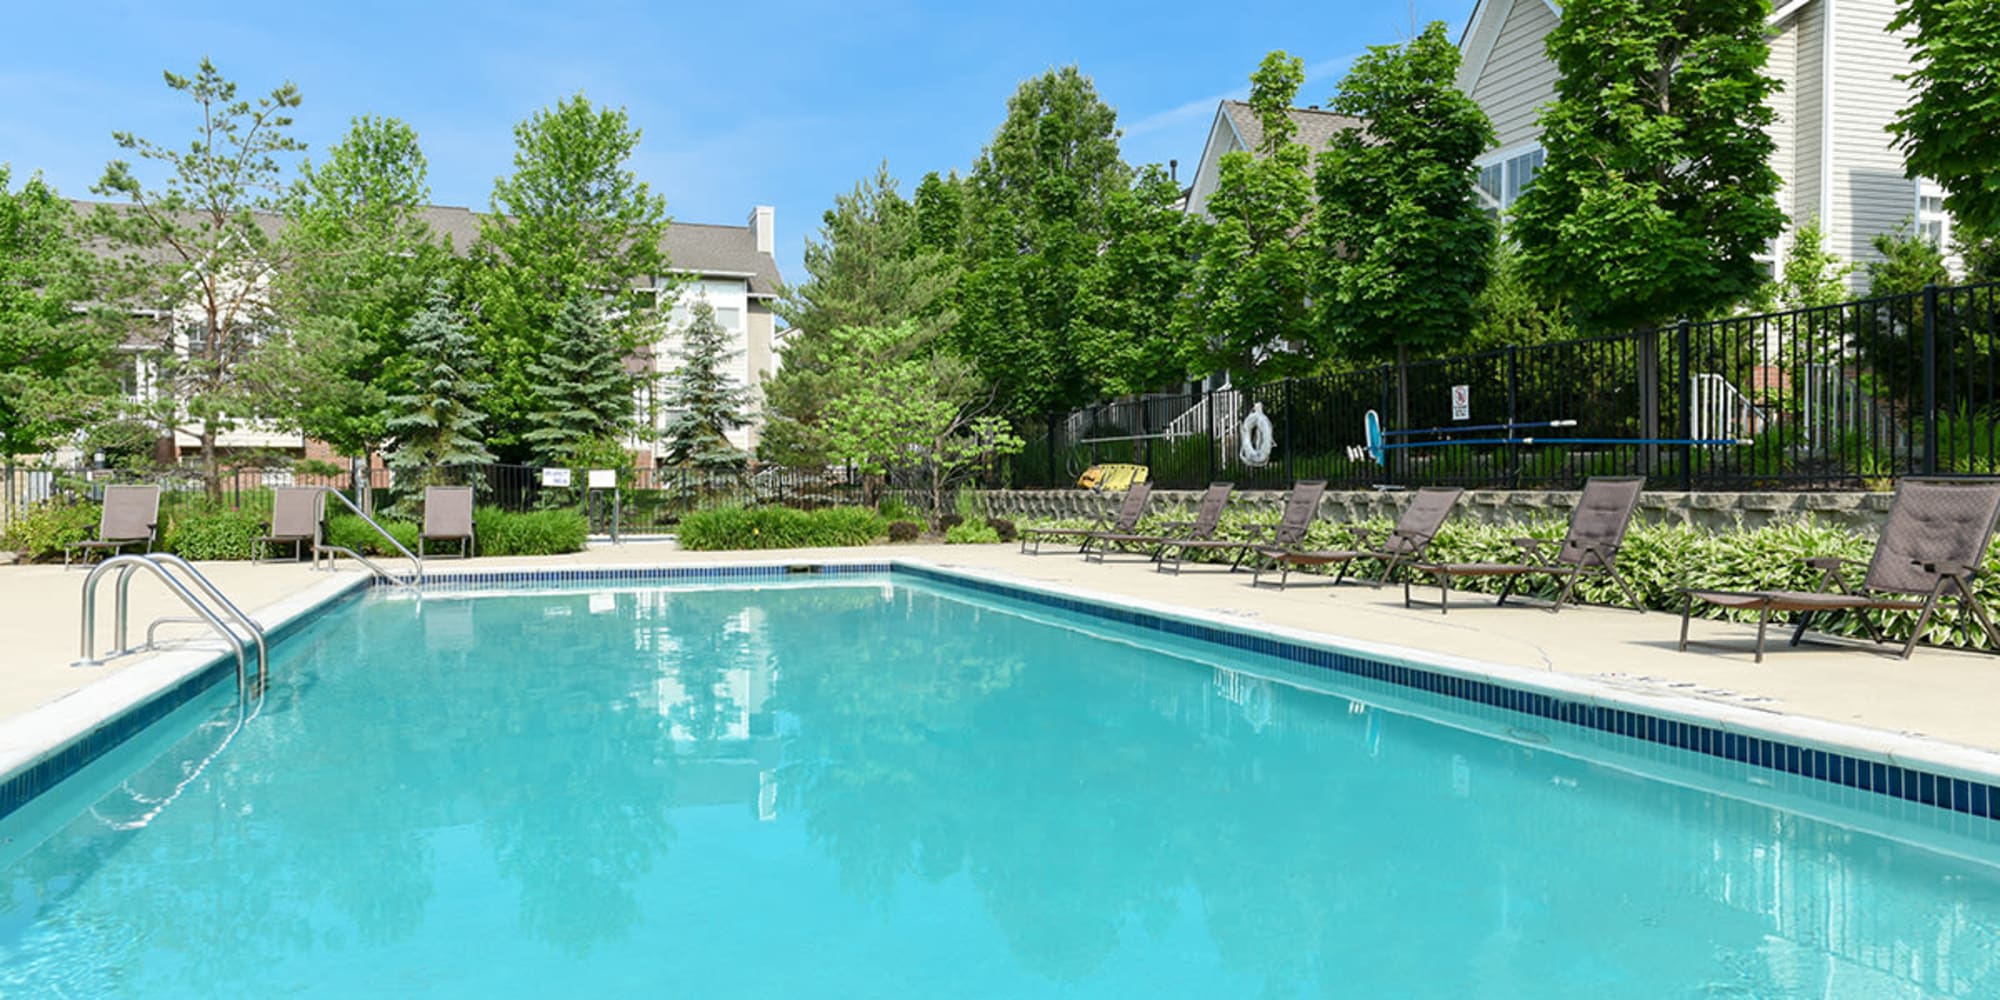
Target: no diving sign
{"x": 1461, "y": 402}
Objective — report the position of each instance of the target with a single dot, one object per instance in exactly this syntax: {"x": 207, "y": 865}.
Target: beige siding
{"x": 1807, "y": 32}
{"x": 758, "y": 353}
{"x": 1518, "y": 77}
{"x": 1870, "y": 193}
{"x": 1784, "y": 130}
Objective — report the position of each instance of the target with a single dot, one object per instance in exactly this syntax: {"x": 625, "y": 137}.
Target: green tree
{"x": 1406, "y": 247}
{"x": 437, "y": 423}
{"x": 364, "y": 264}
{"x": 572, "y": 220}
{"x": 1812, "y": 275}
{"x": 1246, "y": 309}
{"x": 1035, "y": 220}
{"x": 702, "y": 401}
{"x": 1658, "y": 191}
{"x": 1512, "y": 312}
{"x": 869, "y": 267}
{"x": 1127, "y": 300}
{"x": 193, "y": 248}
{"x": 1907, "y": 263}
{"x": 54, "y": 374}
{"x": 912, "y": 407}
{"x": 1950, "y": 129}
{"x": 940, "y": 205}
{"x": 583, "y": 394}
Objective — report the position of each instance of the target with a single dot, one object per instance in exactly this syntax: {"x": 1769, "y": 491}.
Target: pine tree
{"x": 583, "y": 394}
{"x": 704, "y": 402}
{"x": 438, "y": 425}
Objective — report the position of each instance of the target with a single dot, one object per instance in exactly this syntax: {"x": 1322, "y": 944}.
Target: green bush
{"x": 196, "y": 532}
{"x": 780, "y": 528}
{"x": 904, "y": 531}
{"x": 971, "y": 533}
{"x": 350, "y": 532}
{"x": 43, "y": 530}
{"x": 895, "y": 508}
{"x": 534, "y": 533}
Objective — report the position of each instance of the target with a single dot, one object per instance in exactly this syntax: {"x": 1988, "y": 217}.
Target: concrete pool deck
{"x": 1937, "y": 695}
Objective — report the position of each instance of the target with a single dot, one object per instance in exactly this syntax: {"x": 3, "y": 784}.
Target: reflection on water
{"x": 864, "y": 791}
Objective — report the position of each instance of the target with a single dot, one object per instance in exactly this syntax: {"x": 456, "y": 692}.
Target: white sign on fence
{"x": 604, "y": 479}
{"x": 555, "y": 477}
{"x": 1461, "y": 402}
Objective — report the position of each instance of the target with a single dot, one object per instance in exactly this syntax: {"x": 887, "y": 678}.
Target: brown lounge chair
{"x": 1932, "y": 546}
{"x": 1414, "y": 530}
{"x": 1208, "y": 516}
{"x": 1596, "y": 529}
{"x": 448, "y": 516}
{"x": 1124, "y": 523}
{"x": 296, "y": 512}
{"x": 130, "y": 516}
{"x": 1301, "y": 507}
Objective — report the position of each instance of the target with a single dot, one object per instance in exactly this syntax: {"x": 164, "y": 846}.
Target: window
{"x": 729, "y": 318}
{"x": 1502, "y": 179}
{"x": 1933, "y": 223}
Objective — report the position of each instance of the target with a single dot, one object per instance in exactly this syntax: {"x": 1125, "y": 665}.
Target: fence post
{"x": 1683, "y": 384}
{"x": 1214, "y": 440}
{"x": 1052, "y": 451}
{"x": 1289, "y": 449}
{"x": 1513, "y": 417}
{"x": 1930, "y": 379}
{"x": 1649, "y": 397}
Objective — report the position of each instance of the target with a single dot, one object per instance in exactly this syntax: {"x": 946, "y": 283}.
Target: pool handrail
{"x": 126, "y": 564}
{"x": 415, "y": 560}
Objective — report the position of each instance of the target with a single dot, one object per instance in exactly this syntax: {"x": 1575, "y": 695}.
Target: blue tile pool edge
{"x": 1969, "y": 796}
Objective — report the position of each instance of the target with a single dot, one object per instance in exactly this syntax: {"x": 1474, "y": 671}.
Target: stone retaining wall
{"x": 1861, "y": 511}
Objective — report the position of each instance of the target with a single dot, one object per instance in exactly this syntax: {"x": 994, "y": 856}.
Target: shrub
{"x": 532, "y": 533}
{"x": 904, "y": 531}
{"x": 895, "y": 508}
{"x": 43, "y": 530}
{"x": 213, "y": 533}
{"x": 971, "y": 533}
{"x": 949, "y": 521}
{"x": 779, "y": 528}
{"x": 350, "y": 532}
{"x": 1004, "y": 528}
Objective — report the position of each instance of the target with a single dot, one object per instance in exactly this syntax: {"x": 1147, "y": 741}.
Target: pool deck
{"x": 1937, "y": 695}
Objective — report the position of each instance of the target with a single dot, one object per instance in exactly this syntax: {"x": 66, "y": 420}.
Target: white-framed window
{"x": 1932, "y": 221}
{"x": 1503, "y": 175}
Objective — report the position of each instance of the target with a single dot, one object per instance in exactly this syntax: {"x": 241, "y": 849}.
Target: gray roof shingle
{"x": 1316, "y": 128}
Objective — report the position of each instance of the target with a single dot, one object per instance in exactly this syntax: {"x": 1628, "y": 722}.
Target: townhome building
{"x": 1837, "y": 64}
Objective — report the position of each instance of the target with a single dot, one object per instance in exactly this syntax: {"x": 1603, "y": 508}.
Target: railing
{"x": 159, "y": 564}
{"x": 416, "y": 582}
{"x": 1850, "y": 395}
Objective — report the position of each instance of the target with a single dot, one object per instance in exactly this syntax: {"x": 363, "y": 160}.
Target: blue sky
{"x": 770, "y": 103}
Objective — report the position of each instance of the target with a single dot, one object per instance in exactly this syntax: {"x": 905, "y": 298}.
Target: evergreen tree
{"x": 583, "y": 395}
{"x": 704, "y": 403}
{"x": 1658, "y": 192}
{"x": 1405, "y": 247}
{"x": 438, "y": 424}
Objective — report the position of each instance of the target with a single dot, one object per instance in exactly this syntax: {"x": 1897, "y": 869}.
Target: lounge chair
{"x": 1596, "y": 529}
{"x": 448, "y": 516}
{"x": 130, "y": 516}
{"x": 296, "y": 512}
{"x": 1932, "y": 546}
{"x": 1301, "y": 507}
{"x": 1419, "y": 522}
{"x": 1123, "y": 523}
{"x": 1208, "y": 516}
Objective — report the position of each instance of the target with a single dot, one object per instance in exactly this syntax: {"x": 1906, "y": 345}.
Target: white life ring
{"x": 1255, "y": 436}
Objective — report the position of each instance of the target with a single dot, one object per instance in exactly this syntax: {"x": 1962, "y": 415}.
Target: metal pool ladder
{"x": 218, "y": 612}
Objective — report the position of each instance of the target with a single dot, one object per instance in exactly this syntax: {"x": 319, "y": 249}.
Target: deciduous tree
{"x": 1404, "y": 247}
{"x": 1128, "y": 298}
{"x": 1950, "y": 129}
{"x": 53, "y": 359}
{"x": 192, "y": 247}
{"x": 1658, "y": 192}
{"x": 572, "y": 220}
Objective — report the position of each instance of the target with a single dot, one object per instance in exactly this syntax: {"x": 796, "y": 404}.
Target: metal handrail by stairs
{"x": 415, "y": 583}
{"x": 160, "y": 565}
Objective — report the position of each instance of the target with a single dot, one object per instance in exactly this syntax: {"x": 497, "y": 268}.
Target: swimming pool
{"x": 893, "y": 785}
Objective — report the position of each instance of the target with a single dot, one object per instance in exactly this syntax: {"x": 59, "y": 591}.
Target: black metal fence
{"x": 1852, "y": 395}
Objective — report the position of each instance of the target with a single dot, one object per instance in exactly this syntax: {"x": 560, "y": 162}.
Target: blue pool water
{"x": 871, "y": 790}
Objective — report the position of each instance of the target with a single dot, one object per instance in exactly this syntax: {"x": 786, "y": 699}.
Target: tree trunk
{"x": 211, "y": 465}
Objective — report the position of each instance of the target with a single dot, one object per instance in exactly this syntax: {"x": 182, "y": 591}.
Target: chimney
{"x": 1174, "y": 171}
{"x": 762, "y": 226}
